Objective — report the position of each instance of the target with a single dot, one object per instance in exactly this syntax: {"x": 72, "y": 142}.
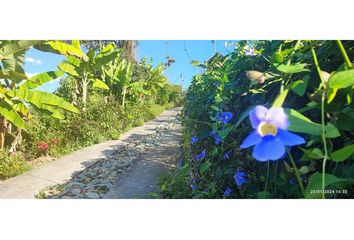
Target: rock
{"x": 66, "y": 197}
{"x": 86, "y": 180}
{"x": 71, "y": 185}
{"x": 95, "y": 181}
{"x": 123, "y": 165}
{"x": 92, "y": 195}
{"x": 76, "y": 191}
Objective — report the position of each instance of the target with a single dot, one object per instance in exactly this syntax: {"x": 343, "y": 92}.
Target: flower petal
{"x": 258, "y": 114}
{"x": 270, "y": 148}
{"x": 290, "y": 139}
{"x": 278, "y": 117}
{"x": 252, "y": 139}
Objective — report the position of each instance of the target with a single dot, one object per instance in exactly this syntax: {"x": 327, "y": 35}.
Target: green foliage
{"x": 115, "y": 92}
{"x": 11, "y": 165}
{"x": 300, "y": 76}
{"x": 16, "y": 89}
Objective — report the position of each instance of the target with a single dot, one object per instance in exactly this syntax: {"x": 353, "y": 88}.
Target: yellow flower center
{"x": 267, "y": 128}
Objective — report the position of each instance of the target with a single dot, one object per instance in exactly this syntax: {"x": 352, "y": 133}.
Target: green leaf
{"x": 314, "y": 153}
{"x": 102, "y": 60}
{"x": 263, "y": 195}
{"x": 198, "y": 64}
{"x": 345, "y": 122}
{"x": 343, "y": 153}
{"x": 315, "y": 184}
{"x": 278, "y": 102}
{"x": 12, "y": 75}
{"x": 294, "y": 68}
{"x": 214, "y": 107}
{"x": 40, "y": 79}
{"x": 68, "y": 68}
{"x": 53, "y": 111}
{"x": 304, "y": 170}
{"x": 219, "y": 172}
{"x": 62, "y": 48}
{"x": 342, "y": 79}
{"x": 204, "y": 167}
{"x": 76, "y": 44}
{"x": 40, "y": 99}
{"x": 302, "y": 124}
{"x": 301, "y": 86}
{"x": 108, "y": 48}
{"x": 225, "y": 132}
{"x": 7, "y": 111}
{"x": 331, "y": 93}
{"x": 332, "y": 131}
{"x": 99, "y": 84}
{"x": 18, "y": 46}
{"x": 277, "y": 58}
{"x": 14, "y": 62}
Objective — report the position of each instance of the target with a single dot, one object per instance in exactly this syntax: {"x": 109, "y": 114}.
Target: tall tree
{"x": 128, "y": 46}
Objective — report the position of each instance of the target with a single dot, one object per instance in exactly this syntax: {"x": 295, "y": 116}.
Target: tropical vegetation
{"x": 271, "y": 119}
{"x": 102, "y": 91}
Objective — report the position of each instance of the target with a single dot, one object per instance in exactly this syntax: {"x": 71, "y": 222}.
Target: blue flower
{"x": 217, "y": 84}
{"x": 201, "y": 155}
{"x": 224, "y": 117}
{"x": 240, "y": 177}
{"x": 292, "y": 181}
{"x": 191, "y": 182}
{"x": 180, "y": 163}
{"x": 212, "y": 133}
{"x": 250, "y": 52}
{"x": 270, "y": 135}
{"x": 194, "y": 140}
{"x": 227, "y": 192}
{"x": 217, "y": 139}
{"x": 226, "y": 155}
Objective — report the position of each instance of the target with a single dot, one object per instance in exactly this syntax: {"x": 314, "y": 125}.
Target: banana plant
{"x": 84, "y": 67}
{"x": 118, "y": 74}
{"x": 154, "y": 78}
{"x": 17, "y": 91}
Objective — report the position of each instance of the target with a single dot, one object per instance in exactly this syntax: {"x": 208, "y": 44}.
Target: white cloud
{"x": 29, "y": 75}
{"x": 33, "y": 61}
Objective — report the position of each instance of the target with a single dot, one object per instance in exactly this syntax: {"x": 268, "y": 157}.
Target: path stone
{"x": 143, "y": 176}
{"x": 94, "y": 169}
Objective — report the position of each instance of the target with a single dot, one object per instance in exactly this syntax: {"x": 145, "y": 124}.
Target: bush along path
{"x": 110, "y": 175}
{"x": 272, "y": 119}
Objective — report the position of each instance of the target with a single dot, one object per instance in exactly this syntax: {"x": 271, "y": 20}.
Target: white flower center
{"x": 267, "y": 129}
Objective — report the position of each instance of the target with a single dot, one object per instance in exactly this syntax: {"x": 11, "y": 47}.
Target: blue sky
{"x": 201, "y": 50}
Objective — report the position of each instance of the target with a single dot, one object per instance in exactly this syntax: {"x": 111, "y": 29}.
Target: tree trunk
{"x": 2, "y": 132}
{"x": 123, "y": 97}
{"x": 16, "y": 141}
{"x": 84, "y": 92}
{"x": 75, "y": 94}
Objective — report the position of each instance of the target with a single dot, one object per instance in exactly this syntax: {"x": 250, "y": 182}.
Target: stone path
{"x": 125, "y": 168}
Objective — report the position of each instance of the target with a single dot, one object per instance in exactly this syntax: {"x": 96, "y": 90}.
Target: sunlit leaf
{"x": 99, "y": 84}
{"x": 294, "y": 68}
{"x": 342, "y": 79}
{"x": 41, "y": 78}
{"x": 343, "y": 153}
{"x": 302, "y": 124}
{"x": 278, "y": 102}
{"x": 7, "y": 111}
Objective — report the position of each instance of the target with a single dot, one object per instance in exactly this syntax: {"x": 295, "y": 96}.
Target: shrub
{"x": 11, "y": 165}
